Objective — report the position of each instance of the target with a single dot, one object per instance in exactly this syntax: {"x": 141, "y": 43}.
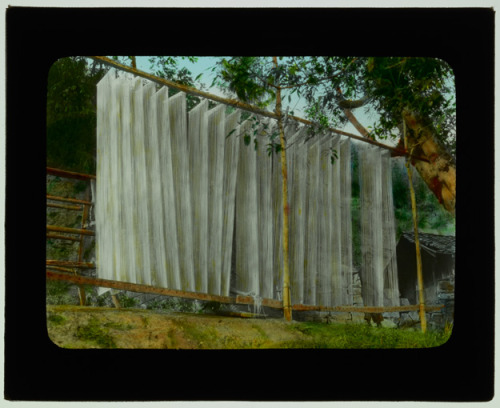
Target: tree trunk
{"x": 440, "y": 173}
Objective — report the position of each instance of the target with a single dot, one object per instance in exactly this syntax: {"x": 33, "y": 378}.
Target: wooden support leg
{"x": 116, "y": 302}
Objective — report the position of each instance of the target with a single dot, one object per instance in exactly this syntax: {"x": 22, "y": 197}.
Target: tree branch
{"x": 354, "y": 121}
{"x": 350, "y": 104}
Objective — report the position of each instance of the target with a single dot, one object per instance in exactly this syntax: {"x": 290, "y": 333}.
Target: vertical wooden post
{"x": 420, "y": 279}
{"x": 287, "y": 304}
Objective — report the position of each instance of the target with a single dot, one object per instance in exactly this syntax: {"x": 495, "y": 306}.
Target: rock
{"x": 340, "y": 317}
{"x": 357, "y": 317}
{"x": 389, "y": 323}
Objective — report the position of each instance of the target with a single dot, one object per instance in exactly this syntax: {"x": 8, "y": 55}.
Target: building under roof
{"x": 438, "y": 267}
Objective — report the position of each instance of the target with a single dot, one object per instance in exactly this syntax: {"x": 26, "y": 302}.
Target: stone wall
{"x": 435, "y": 320}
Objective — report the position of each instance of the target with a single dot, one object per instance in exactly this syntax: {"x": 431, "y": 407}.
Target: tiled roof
{"x": 441, "y": 244}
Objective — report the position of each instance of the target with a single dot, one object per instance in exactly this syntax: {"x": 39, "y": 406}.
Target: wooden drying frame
{"x": 55, "y": 270}
{"x": 83, "y": 280}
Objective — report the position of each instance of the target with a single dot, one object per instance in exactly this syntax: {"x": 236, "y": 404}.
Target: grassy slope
{"x": 91, "y": 327}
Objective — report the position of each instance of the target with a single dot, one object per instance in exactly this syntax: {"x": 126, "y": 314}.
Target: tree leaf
{"x": 230, "y": 133}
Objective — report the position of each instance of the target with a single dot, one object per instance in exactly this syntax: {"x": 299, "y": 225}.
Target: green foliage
{"x": 59, "y": 293}
{"x": 168, "y": 68}
{"x": 423, "y": 85}
{"x": 118, "y": 326}
{"x": 246, "y": 139}
{"x": 432, "y": 218}
{"x": 273, "y": 148}
{"x": 71, "y": 114}
{"x": 127, "y": 301}
{"x": 71, "y": 88}
{"x": 93, "y": 332}
{"x": 388, "y": 85}
{"x": 80, "y": 187}
{"x": 71, "y": 107}
{"x": 55, "y": 319}
{"x": 249, "y": 78}
{"x": 333, "y": 155}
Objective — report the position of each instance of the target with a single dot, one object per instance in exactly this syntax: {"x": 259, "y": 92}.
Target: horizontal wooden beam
{"x": 77, "y": 231}
{"x": 70, "y": 264}
{"x": 68, "y": 200}
{"x": 245, "y": 300}
{"x": 60, "y": 268}
{"x": 366, "y": 309}
{"x": 65, "y": 207}
{"x": 248, "y": 300}
{"x": 65, "y": 237}
{"x": 135, "y": 287}
{"x": 235, "y": 103}
{"x": 70, "y": 174}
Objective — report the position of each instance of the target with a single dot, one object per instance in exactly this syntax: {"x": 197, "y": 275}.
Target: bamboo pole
{"x": 60, "y": 268}
{"x": 240, "y": 105}
{"x": 70, "y": 264}
{"x": 69, "y": 174}
{"x": 65, "y": 207}
{"x": 140, "y": 288}
{"x": 68, "y": 200}
{"x": 420, "y": 279}
{"x": 244, "y": 300}
{"x": 366, "y": 309}
{"x": 78, "y": 231}
{"x": 57, "y": 236}
{"x": 287, "y": 303}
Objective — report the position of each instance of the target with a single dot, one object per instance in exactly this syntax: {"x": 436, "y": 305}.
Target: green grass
{"x": 56, "y": 320}
{"x": 94, "y": 333}
{"x": 118, "y": 326}
{"x": 208, "y": 332}
{"x": 362, "y": 336}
